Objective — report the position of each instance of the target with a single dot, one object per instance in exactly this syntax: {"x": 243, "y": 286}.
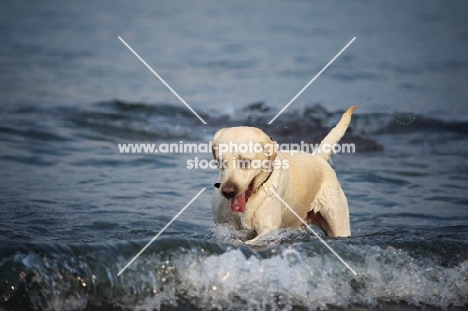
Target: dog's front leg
{"x": 266, "y": 218}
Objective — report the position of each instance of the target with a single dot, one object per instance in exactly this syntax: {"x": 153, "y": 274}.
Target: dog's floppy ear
{"x": 214, "y": 143}
{"x": 270, "y": 147}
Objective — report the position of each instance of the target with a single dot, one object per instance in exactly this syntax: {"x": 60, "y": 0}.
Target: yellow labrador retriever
{"x": 250, "y": 165}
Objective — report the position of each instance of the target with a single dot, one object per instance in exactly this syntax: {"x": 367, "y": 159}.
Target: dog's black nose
{"x": 229, "y": 191}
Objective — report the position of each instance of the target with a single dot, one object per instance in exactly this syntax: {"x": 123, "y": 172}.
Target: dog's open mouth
{"x": 239, "y": 203}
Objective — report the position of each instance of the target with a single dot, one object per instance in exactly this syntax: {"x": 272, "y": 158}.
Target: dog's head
{"x": 245, "y": 157}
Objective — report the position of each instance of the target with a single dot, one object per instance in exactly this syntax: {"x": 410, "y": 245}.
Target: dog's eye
{"x": 220, "y": 164}
{"x": 243, "y": 163}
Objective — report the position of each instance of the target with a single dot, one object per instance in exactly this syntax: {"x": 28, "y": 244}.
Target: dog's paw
{"x": 254, "y": 241}
{"x": 250, "y": 242}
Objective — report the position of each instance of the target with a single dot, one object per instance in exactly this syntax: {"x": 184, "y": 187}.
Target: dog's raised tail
{"x": 328, "y": 143}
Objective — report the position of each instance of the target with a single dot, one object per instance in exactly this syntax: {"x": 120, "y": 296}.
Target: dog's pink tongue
{"x": 238, "y": 204}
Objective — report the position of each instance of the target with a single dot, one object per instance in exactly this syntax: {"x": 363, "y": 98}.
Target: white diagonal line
{"x": 162, "y": 80}
{"x": 310, "y": 82}
{"x": 162, "y": 230}
{"x": 313, "y": 231}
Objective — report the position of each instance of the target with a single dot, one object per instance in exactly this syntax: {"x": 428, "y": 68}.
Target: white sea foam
{"x": 294, "y": 277}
